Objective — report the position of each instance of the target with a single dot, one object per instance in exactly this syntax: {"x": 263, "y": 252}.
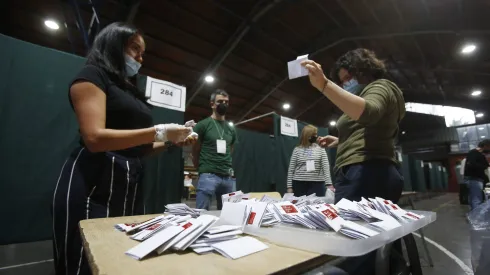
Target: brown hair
{"x": 306, "y": 133}
{"x": 360, "y": 63}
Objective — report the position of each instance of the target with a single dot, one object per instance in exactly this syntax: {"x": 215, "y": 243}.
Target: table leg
{"x": 421, "y": 232}
{"x": 413, "y": 255}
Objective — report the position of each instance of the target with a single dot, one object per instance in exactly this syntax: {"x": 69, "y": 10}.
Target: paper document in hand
{"x": 295, "y": 69}
{"x": 240, "y": 247}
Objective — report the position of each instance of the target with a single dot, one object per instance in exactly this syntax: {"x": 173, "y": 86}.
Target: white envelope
{"x": 222, "y": 228}
{"x": 189, "y": 227}
{"x": 295, "y": 69}
{"x": 141, "y": 250}
{"x": 239, "y": 247}
{"x": 207, "y": 221}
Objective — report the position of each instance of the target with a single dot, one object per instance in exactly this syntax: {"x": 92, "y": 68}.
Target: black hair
{"x": 107, "y": 52}
{"x": 359, "y": 63}
{"x": 218, "y": 92}
{"x": 484, "y": 143}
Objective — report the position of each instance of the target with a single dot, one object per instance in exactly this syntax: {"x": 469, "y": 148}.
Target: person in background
{"x": 372, "y": 106}
{"x": 475, "y": 172}
{"x": 212, "y": 153}
{"x": 309, "y": 169}
{"x": 187, "y": 184}
{"x": 101, "y": 177}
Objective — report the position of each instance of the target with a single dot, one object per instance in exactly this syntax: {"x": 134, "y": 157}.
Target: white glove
{"x": 162, "y": 129}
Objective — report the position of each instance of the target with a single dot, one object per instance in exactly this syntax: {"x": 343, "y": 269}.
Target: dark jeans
{"x": 306, "y": 188}
{"x": 369, "y": 179}
{"x": 475, "y": 194}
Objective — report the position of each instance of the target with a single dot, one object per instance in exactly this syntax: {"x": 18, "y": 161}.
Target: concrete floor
{"x": 450, "y": 231}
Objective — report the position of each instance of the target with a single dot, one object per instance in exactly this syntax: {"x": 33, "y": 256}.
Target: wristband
{"x": 324, "y": 85}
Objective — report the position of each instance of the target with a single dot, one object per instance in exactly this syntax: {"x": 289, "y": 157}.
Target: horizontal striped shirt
{"x": 297, "y": 166}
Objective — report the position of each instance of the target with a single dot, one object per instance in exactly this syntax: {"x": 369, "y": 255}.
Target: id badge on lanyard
{"x": 221, "y": 146}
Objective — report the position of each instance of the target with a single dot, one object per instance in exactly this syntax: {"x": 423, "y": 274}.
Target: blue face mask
{"x": 132, "y": 66}
{"x": 352, "y": 86}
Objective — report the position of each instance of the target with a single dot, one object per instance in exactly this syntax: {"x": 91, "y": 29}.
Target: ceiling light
{"x": 209, "y": 79}
{"x": 482, "y": 136}
{"x": 476, "y": 93}
{"x": 468, "y": 48}
{"x": 333, "y": 123}
{"x": 479, "y": 115}
{"x": 481, "y": 128}
{"x": 286, "y": 106}
{"x": 403, "y": 132}
{"x": 51, "y": 24}
{"x": 230, "y": 123}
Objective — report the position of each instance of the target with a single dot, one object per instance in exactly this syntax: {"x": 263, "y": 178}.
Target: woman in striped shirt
{"x": 309, "y": 170}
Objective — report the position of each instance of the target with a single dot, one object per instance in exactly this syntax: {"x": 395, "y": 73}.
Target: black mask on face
{"x": 221, "y": 109}
{"x": 313, "y": 139}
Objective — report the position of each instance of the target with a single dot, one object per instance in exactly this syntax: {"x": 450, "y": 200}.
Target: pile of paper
{"x": 181, "y": 209}
{"x": 203, "y": 234}
{"x": 235, "y": 197}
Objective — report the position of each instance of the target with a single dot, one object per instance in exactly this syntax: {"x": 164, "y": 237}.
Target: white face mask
{"x": 132, "y": 66}
{"x": 188, "y": 182}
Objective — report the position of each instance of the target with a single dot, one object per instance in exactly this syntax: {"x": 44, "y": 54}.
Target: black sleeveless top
{"x": 124, "y": 111}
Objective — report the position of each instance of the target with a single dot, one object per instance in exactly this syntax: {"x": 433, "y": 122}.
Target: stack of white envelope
{"x": 181, "y": 209}
{"x": 203, "y": 234}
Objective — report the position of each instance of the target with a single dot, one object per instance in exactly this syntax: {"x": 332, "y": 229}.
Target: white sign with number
{"x": 165, "y": 94}
{"x": 289, "y": 127}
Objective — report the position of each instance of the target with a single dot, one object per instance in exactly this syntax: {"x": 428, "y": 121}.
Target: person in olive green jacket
{"x": 372, "y": 106}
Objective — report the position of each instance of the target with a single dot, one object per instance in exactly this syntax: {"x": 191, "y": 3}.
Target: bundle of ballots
{"x": 203, "y": 234}
{"x": 311, "y": 212}
{"x": 181, "y": 209}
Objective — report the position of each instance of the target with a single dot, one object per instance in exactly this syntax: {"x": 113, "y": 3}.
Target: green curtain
{"x": 407, "y": 176}
{"x": 417, "y": 175}
{"x": 253, "y": 161}
{"x": 39, "y": 130}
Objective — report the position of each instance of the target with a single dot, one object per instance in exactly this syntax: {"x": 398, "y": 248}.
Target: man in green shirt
{"x": 212, "y": 153}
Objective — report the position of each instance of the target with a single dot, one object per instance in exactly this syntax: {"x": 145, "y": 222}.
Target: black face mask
{"x": 221, "y": 109}
{"x": 313, "y": 139}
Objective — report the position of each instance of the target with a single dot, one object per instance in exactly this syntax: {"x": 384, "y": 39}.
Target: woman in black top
{"x": 101, "y": 178}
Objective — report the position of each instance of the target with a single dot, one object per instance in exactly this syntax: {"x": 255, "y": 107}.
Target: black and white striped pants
{"x": 90, "y": 185}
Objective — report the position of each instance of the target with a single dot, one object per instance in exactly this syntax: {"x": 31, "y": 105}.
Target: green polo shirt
{"x": 209, "y": 131}
{"x": 373, "y": 135}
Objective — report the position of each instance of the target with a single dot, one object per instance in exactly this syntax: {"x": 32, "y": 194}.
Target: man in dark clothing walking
{"x": 474, "y": 172}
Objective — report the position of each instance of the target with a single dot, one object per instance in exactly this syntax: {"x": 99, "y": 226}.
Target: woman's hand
{"x": 328, "y": 141}
{"x": 315, "y": 73}
{"x": 178, "y": 133}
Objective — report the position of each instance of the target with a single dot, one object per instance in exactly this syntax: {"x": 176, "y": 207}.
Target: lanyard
{"x": 308, "y": 152}
{"x": 217, "y": 129}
